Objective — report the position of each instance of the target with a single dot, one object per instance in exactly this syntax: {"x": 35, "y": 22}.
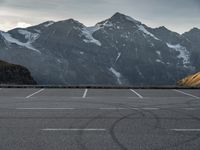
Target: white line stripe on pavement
{"x": 187, "y": 94}
{"x": 106, "y": 108}
{"x": 189, "y": 108}
{"x": 72, "y": 129}
{"x": 119, "y": 108}
{"x": 186, "y": 130}
{"x": 140, "y": 96}
{"x": 150, "y": 108}
{"x": 113, "y": 108}
{"x": 35, "y": 93}
{"x": 46, "y": 108}
{"x": 85, "y": 93}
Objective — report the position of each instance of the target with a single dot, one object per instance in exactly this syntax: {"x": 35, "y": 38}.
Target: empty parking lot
{"x": 99, "y": 119}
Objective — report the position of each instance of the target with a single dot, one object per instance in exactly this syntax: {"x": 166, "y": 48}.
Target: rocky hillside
{"x": 117, "y": 51}
{"x": 191, "y": 81}
{"x": 15, "y": 74}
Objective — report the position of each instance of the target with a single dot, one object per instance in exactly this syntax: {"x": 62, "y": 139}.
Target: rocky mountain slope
{"x": 191, "y": 81}
{"x": 15, "y": 74}
{"x": 117, "y": 51}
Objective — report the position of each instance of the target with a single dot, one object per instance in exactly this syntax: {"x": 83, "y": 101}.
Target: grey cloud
{"x": 172, "y": 13}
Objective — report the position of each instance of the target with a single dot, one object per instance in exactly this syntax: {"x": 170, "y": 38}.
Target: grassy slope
{"x": 191, "y": 81}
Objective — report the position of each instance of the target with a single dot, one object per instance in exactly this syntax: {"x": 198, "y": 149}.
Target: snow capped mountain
{"x": 117, "y": 51}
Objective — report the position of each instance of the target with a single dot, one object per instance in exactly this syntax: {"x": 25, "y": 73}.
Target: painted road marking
{"x": 46, "y": 108}
{"x": 102, "y": 108}
{"x": 72, "y": 129}
{"x": 140, "y": 96}
{"x": 118, "y": 108}
{"x": 85, "y": 93}
{"x": 189, "y": 108}
{"x": 150, "y": 108}
{"x": 186, "y": 130}
{"x": 35, "y": 93}
{"x": 187, "y": 94}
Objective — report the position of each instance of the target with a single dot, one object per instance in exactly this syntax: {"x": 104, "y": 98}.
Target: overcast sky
{"x": 177, "y": 15}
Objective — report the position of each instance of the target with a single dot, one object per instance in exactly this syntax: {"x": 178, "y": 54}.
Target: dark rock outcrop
{"x": 15, "y": 74}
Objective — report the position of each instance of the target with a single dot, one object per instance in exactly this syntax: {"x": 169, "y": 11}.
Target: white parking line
{"x": 85, "y": 93}
{"x": 114, "y": 108}
{"x": 103, "y": 108}
{"x": 106, "y": 108}
{"x": 129, "y": 108}
{"x": 150, "y": 108}
{"x": 186, "y": 130}
{"x": 35, "y": 93}
{"x": 72, "y": 129}
{"x": 187, "y": 94}
{"x": 140, "y": 96}
{"x": 45, "y": 108}
{"x": 189, "y": 108}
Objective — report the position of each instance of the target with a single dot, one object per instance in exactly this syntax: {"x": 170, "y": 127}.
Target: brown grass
{"x": 191, "y": 81}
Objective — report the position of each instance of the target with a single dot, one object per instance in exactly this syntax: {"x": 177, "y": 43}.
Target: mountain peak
{"x": 119, "y": 16}
{"x": 195, "y": 29}
{"x": 163, "y": 28}
{"x": 72, "y": 22}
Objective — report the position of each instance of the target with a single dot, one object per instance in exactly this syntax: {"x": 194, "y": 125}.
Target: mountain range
{"x": 117, "y": 51}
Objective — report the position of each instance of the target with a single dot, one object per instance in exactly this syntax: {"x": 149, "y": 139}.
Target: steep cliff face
{"x": 191, "y": 81}
{"x": 15, "y": 74}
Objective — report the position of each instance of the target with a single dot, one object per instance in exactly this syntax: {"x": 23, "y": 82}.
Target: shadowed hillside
{"x": 14, "y": 74}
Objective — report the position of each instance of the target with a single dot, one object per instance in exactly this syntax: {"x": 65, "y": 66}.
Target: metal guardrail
{"x": 96, "y": 87}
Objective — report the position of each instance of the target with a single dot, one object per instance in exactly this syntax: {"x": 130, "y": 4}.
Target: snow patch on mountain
{"x": 108, "y": 24}
{"x": 31, "y": 37}
{"x": 104, "y": 24}
{"x": 58, "y": 60}
{"x": 142, "y": 28}
{"x": 139, "y": 72}
{"x": 117, "y": 74}
{"x": 38, "y": 31}
{"x": 10, "y": 39}
{"x": 82, "y": 53}
{"x": 131, "y": 19}
{"x": 87, "y": 32}
{"x": 159, "y": 53}
{"x": 49, "y": 23}
{"x": 183, "y": 52}
{"x": 118, "y": 56}
{"x": 159, "y": 61}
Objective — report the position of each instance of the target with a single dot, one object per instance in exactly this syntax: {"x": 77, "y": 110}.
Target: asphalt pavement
{"x": 99, "y": 119}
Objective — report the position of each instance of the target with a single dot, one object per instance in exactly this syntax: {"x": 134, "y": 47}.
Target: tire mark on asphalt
{"x": 158, "y": 126}
{"x": 102, "y": 115}
{"x": 113, "y": 134}
{"x": 80, "y": 140}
